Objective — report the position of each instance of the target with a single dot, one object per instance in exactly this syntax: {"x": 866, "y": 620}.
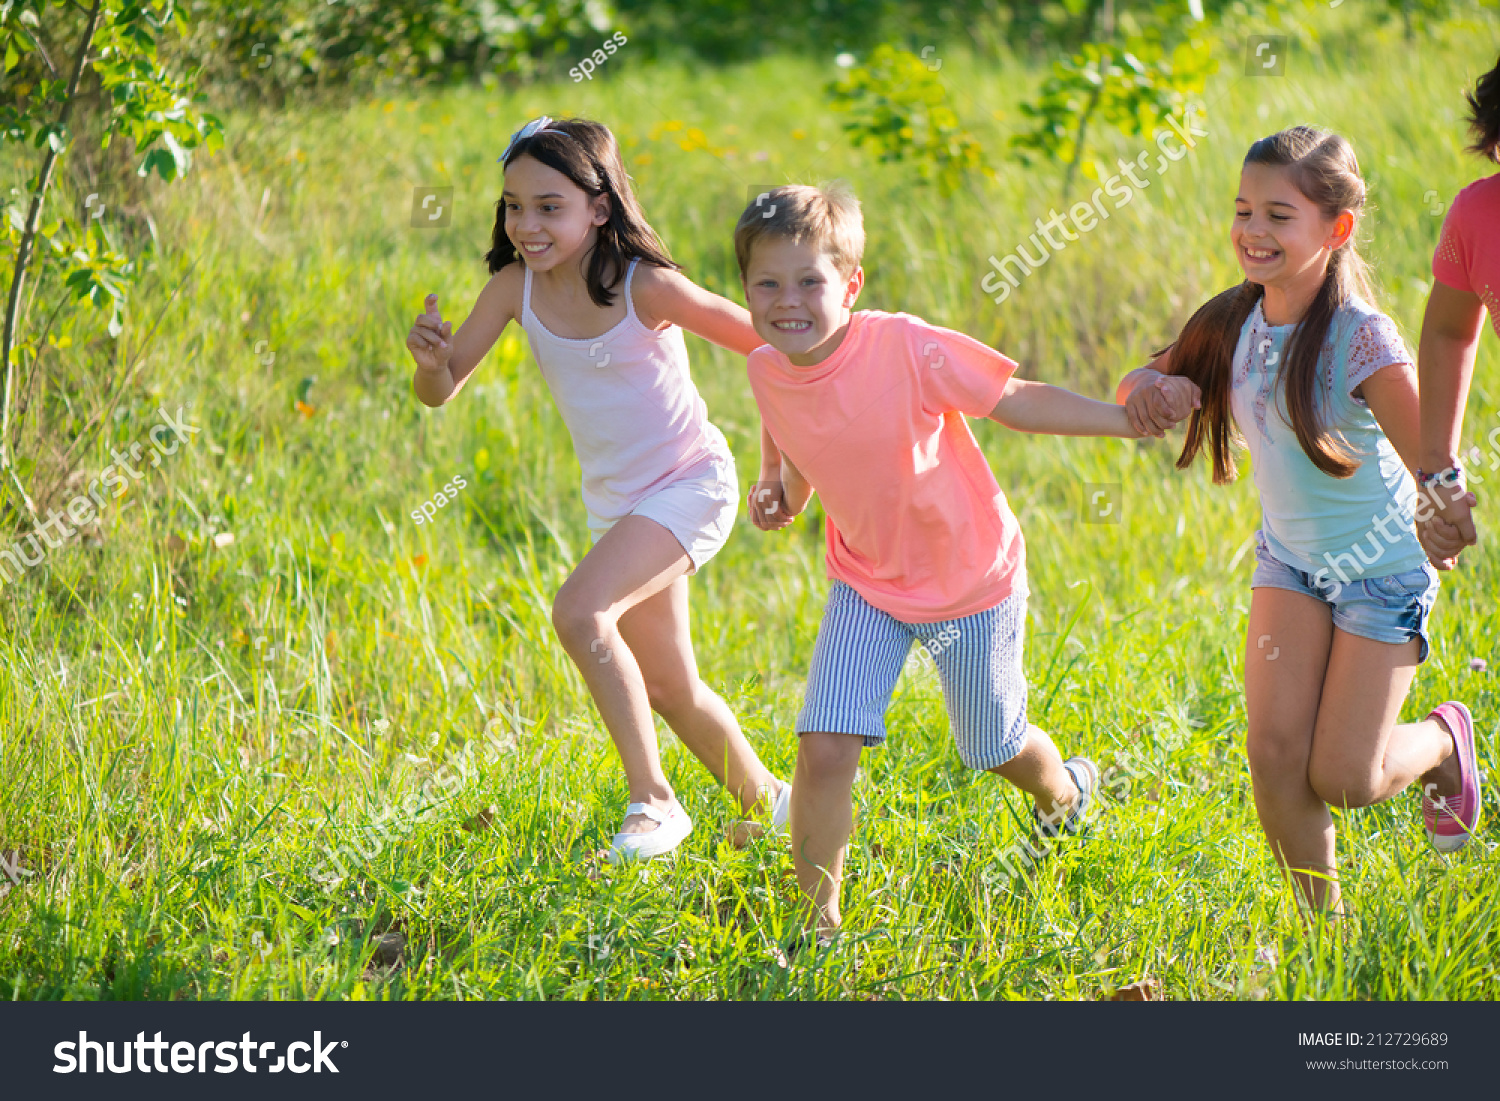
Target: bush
{"x": 275, "y": 48}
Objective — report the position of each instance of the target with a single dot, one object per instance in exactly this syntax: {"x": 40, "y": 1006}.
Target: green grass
{"x": 177, "y": 787}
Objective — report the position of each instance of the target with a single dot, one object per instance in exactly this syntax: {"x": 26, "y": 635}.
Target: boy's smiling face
{"x": 799, "y": 302}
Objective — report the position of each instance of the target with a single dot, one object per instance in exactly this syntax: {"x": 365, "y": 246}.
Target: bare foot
{"x": 745, "y": 831}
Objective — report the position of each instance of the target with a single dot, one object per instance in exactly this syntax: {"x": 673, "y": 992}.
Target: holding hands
{"x": 768, "y": 507}
{"x": 1158, "y": 401}
{"x": 1445, "y": 523}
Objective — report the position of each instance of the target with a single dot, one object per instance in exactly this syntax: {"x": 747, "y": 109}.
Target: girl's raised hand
{"x": 430, "y": 338}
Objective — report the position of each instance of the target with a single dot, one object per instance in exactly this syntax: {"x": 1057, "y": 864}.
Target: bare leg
{"x": 656, "y": 631}
{"x": 1286, "y": 655}
{"x": 1038, "y": 771}
{"x": 1360, "y": 755}
{"x": 822, "y": 817}
{"x": 634, "y": 561}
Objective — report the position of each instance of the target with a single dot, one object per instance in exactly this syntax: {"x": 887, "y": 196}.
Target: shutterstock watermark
{"x": 606, "y": 50}
{"x": 185, "y": 1057}
{"x": 394, "y": 823}
{"x": 53, "y": 533}
{"x": 428, "y": 509}
{"x": 1084, "y": 216}
{"x": 1127, "y": 769}
{"x": 1380, "y": 535}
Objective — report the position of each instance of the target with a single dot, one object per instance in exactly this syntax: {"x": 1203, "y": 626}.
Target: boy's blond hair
{"x": 828, "y": 217}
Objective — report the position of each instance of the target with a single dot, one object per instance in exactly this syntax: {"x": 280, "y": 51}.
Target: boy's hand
{"x": 429, "y": 338}
{"x": 768, "y": 509}
{"x": 1158, "y": 404}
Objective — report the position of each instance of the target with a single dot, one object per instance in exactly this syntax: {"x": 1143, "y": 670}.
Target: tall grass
{"x": 188, "y": 730}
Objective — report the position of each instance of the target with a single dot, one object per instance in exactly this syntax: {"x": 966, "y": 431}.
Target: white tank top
{"x": 636, "y": 419}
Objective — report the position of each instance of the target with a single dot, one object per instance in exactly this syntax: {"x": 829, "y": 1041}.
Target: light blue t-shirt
{"x": 1342, "y": 529}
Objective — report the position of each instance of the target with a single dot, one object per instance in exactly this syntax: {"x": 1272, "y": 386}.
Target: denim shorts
{"x": 860, "y": 653}
{"x": 1390, "y": 609}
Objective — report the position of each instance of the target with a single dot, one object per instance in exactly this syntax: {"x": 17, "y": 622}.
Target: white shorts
{"x": 698, "y": 508}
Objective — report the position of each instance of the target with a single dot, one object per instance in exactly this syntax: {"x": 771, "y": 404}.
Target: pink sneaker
{"x": 1451, "y": 819}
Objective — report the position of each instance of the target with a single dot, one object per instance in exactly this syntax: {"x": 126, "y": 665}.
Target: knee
{"x": 673, "y": 695}
{"x": 1275, "y": 755}
{"x": 825, "y": 758}
{"x": 577, "y": 623}
{"x": 1341, "y": 786}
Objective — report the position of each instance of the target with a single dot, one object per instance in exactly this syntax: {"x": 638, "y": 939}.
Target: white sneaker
{"x": 671, "y": 830}
{"x": 781, "y": 810}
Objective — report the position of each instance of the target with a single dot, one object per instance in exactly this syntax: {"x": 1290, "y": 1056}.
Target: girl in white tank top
{"x": 658, "y": 478}
{"x": 628, "y": 400}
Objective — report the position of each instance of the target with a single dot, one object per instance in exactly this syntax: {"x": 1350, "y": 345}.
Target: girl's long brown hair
{"x": 1323, "y": 167}
{"x": 587, "y": 153}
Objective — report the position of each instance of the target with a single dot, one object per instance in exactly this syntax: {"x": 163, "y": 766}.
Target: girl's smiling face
{"x": 1280, "y": 237}
{"x": 548, "y": 217}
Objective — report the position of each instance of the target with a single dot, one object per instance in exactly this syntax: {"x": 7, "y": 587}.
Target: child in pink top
{"x": 1466, "y": 268}
{"x": 868, "y": 409}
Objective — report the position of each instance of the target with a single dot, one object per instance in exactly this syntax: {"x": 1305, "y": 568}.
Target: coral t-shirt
{"x": 917, "y": 524}
{"x": 1468, "y": 253}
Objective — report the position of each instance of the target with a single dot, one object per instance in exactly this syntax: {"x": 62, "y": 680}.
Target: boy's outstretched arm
{"x": 1039, "y": 407}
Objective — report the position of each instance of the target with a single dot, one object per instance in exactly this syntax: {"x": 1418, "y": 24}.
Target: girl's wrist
{"x": 1450, "y": 476}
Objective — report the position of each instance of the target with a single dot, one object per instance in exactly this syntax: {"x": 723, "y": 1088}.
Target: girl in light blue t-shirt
{"x": 1323, "y": 392}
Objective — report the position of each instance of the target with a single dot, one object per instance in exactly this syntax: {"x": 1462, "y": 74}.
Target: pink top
{"x": 1468, "y": 254}
{"x": 916, "y": 522}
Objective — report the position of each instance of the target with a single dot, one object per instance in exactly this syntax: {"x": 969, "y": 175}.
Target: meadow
{"x": 199, "y": 734}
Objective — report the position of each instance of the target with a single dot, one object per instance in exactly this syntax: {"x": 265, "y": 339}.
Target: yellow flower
{"x": 798, "y": 135}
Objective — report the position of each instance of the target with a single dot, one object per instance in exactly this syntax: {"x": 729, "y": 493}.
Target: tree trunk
{"x": 23, "y": 253}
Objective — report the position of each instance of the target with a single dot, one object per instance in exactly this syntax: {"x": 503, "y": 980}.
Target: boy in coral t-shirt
{"x": 868, "y": 409}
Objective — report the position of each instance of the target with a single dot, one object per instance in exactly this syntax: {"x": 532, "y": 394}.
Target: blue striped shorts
{"x": 860, "y": 653}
